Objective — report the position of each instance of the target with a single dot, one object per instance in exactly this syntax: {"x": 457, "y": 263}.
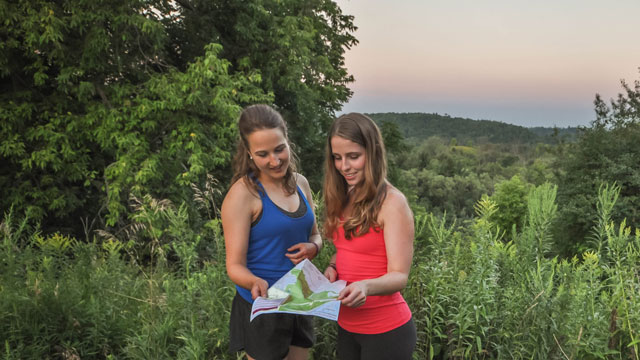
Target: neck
{"x": 269, "y": 181}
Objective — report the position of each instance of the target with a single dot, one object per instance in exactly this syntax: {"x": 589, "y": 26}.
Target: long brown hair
{"x": 370, "y": 194}
{"x": 253, "y": 118}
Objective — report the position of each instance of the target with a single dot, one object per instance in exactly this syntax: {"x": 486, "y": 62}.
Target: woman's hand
{"x": 259, "y": 288}
{"x": 354, "y": 295}
{"x": 331, "y": 273}
{"x": 301, "y": 251}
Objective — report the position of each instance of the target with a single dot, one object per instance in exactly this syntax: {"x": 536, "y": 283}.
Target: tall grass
{"x": 475, "y": 296}
{"x": 159, "y": 289}
{"x": 60, "y": 298}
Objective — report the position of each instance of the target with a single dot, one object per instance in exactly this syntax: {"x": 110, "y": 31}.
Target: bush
{"x": 473, "y": 294}
{"x": 91, "y": 300}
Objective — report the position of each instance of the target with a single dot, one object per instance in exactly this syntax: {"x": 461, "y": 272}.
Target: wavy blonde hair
{"x": 370, "y": 194}
{"x": 253, "y": 118}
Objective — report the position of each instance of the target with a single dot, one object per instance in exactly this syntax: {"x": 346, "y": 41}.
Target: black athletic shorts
{"x": 268, "y": 336}
{"x": 396, "y": 344}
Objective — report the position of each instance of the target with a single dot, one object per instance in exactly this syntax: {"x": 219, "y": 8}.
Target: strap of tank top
{"x": 261, "y": 191}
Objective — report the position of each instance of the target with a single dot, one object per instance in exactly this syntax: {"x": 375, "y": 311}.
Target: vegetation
{"x": 117, "y": 127}
{"x": 100, "y": 101}
{"x": 472, "y": 294}
{"x": 608, "y": 151}
{"x": 63, "y": 298}
{"x": 479, "y": 297}
{"x": 467, "y": 131}
{"x": 443, "y": 177}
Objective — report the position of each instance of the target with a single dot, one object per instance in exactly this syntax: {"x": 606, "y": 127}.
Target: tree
{"x": 511, "y": 198}
{"x": 101, "y": 100}
{"x": 297, "y": 47}
{"x": 607, "y": 152}
{"x": 396, "y": 149}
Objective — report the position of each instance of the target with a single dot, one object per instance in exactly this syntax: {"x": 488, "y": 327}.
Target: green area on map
{"x": 301, "y": 298}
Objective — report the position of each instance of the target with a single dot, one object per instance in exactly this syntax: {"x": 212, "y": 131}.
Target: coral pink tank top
{"x": 365, "y": 257}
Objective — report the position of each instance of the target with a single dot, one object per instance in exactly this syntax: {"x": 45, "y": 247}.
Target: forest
{"x": 420, "y": 126}
{"x": 117, "y": 128}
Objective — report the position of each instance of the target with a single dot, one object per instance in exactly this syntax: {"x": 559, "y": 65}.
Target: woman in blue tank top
{"x": 269, "y": 226}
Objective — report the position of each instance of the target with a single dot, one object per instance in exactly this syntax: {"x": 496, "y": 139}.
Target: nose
{"x": 344, "y": 164}
{"x": 274, "y": 160}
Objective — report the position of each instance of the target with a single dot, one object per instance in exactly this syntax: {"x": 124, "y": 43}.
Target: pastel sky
{"x": 530, "y": 63}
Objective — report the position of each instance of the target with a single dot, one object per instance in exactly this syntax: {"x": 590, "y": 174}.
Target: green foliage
{"x": 100, "y": 102}
{"x": 396, "y": 149}
{"x": 98, "y": 303}
{"x": 110, "y": 115}
{"x": 510, "y": 198}
{"x": 442, "y": 177}
{"x": 475, "y": 296}
{"x": 557, "y": 135}
{"x": 607, "y": 197}
{"x": 92, "y": 112}
{"x": 472, "y": 294}
{"x": 298, "y": 49}
{"x": 422, "y": 126}
{"x": 606, "y": 152}
{"x": 542, "y": 208}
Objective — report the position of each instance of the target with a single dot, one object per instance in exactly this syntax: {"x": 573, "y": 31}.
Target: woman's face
{"x": 349, "y": 158}
{"x": 270, "y": 152}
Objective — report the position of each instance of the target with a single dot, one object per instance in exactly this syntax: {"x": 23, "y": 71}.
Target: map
{"x": 303, "y": 290}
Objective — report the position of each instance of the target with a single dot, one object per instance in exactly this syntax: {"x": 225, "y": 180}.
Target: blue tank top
{"x": 270, "y": 237}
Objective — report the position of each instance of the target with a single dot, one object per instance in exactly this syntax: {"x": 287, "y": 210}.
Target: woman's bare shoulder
{"x": 241, "y": 191}
{"x": 303, "y": 183}
{"x": 395, "y": 196}
{"x": 301, "y": 180}
{"x": 394, "y": 204}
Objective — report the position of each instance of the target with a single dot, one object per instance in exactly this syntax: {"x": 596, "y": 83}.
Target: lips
{"x": 349, "y": 176}
{"x": 277, "y": 168}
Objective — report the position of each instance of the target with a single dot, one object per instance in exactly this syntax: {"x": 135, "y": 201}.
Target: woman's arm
{"x": 311, "y": 249}
{"x": 396, "y": 219}
{"x": 236, "y": 224}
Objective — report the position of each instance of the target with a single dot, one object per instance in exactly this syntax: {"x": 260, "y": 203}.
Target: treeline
{"x": 446, "y": 177}
{"x": 420, "y": 126}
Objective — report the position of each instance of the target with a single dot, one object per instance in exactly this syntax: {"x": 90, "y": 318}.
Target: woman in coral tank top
{"x": 372, "y": 229}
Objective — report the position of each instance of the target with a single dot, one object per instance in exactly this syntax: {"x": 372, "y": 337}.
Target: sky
{"x": 529, "y": 63}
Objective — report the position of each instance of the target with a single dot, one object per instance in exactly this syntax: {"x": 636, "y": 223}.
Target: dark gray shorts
{"x": 268, "y": 336}
{"x": 395, "y": 344}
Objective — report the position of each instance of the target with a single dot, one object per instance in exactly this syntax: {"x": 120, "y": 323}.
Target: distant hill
{"x": 568, "y": 133}
{"x": 423, "y": 125}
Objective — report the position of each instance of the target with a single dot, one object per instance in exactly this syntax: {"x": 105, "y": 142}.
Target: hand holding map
{"x": 303, "y": 290}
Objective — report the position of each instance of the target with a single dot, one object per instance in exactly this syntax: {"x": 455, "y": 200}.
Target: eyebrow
{"x": 277, "y": 147}
{"x": 349, "y": 153}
